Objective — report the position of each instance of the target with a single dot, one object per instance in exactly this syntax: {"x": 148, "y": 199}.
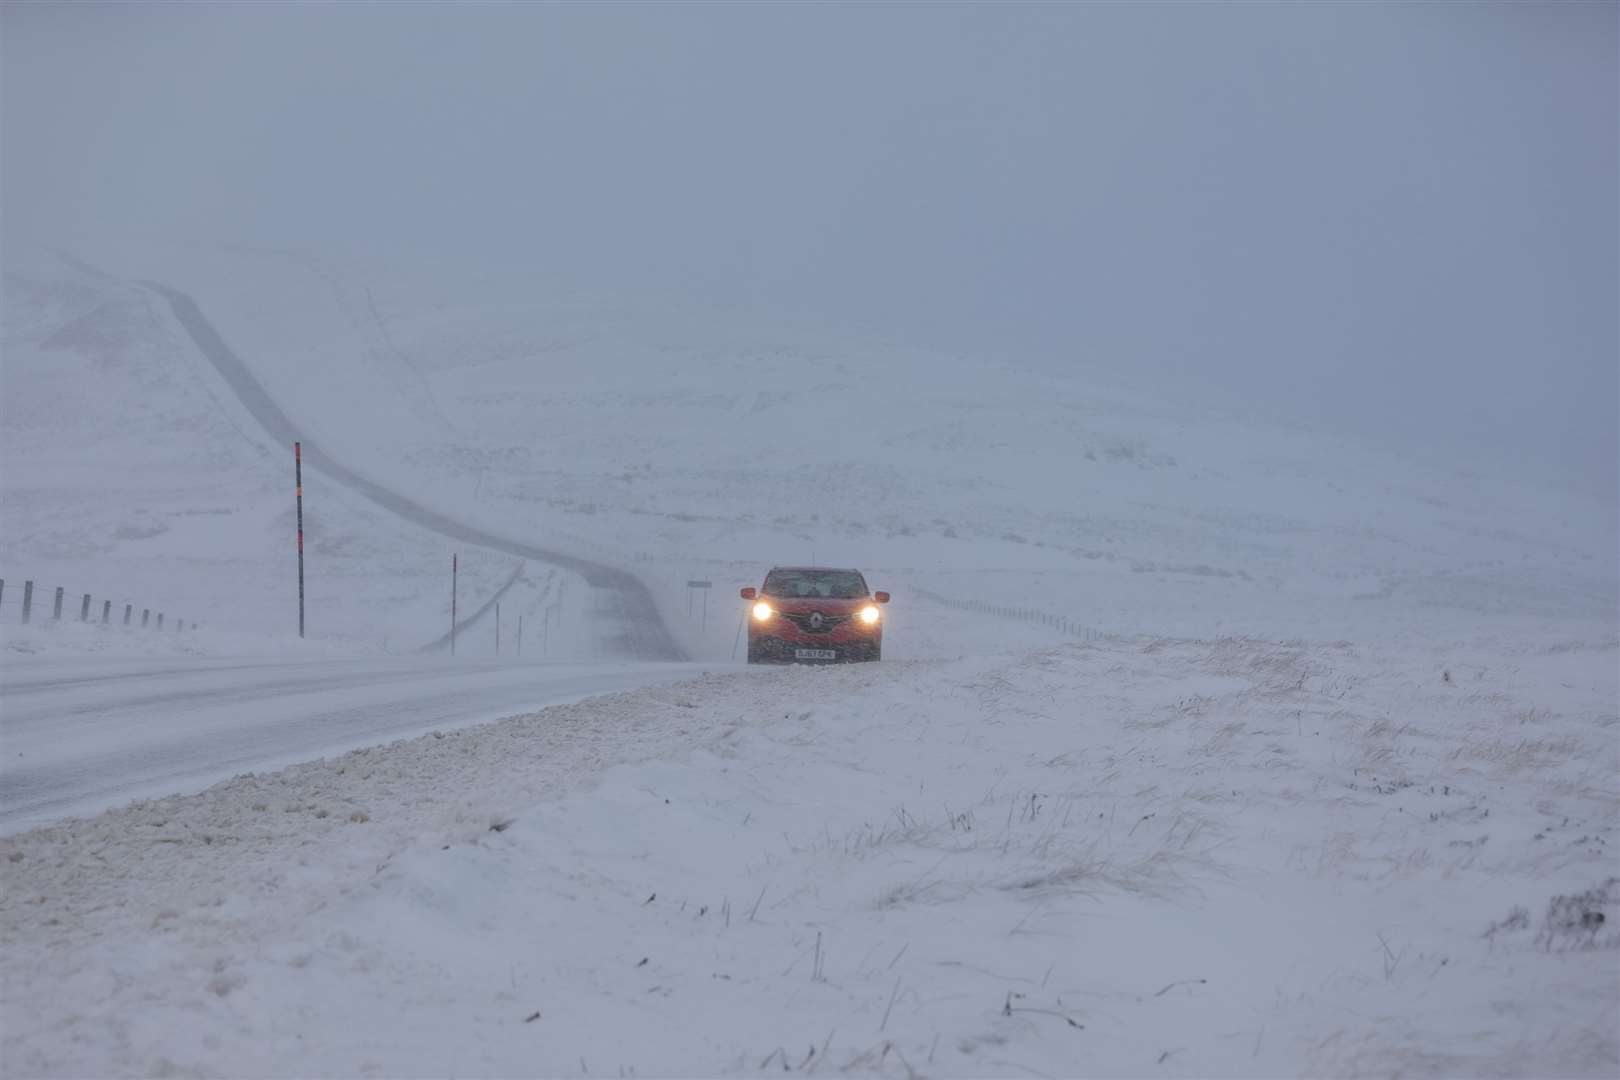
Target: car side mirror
{"x": 749, "y": 593}
{"x": 881, "y": 597}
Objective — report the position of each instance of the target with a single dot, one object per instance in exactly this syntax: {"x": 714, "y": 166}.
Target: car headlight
{"x": 762, "y": 611}
{"x": 870, "y": 614}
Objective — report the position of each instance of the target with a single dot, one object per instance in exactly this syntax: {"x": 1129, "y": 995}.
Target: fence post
{"x": 146, "y": 616}
{"x": 298, "y": 494}
{"x": 160, "y": 620}
{"x": 128, "y": 610}
{"x": 56, "y": 612}
{"x": 28, "y": 599}
{"x": 106, "y": 612}
{"x": 84, "y": 609}
{"x": 2, "y": 590}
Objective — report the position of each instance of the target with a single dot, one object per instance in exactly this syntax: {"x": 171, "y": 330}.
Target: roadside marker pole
{"x": 497, "y": 628}
{"x": 703, "y": 585}
{"x": 298, "y": 493}
{"x": 455, "y": 567}
{"x": 520, "y": 636}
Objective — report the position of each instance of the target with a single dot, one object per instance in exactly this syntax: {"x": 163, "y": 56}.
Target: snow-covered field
{"x": 1203, "y": 745}
{"x": 1155, "y": 857}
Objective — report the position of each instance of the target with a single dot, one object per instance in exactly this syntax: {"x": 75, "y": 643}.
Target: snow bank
{"x": 1183, "y": 857}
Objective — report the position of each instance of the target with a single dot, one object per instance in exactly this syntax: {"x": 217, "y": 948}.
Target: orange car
{"x": 811, "y": 615}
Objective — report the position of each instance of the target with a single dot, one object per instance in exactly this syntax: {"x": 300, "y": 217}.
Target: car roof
{"x": 810, "y": 569}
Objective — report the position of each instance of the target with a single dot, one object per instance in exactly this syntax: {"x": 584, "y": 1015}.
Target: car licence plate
{"x": 814, "y": 654}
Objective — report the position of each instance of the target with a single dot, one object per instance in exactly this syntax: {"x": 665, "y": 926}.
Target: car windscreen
{"x": 815, "y": 584}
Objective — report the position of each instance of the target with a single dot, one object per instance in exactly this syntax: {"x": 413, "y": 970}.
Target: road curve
{"x": 640, "y": 634}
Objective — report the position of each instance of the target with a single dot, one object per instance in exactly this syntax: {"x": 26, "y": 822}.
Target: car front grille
{"x": 807, "y": 621}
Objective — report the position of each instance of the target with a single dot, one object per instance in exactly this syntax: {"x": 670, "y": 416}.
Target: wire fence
{"x": 22, "y": 602}
{"x": 1062, "y": 624}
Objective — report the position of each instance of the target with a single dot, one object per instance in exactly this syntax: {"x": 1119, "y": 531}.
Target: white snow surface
{"x": 1203, "y": 744}
{"x": 1153, "y": 857}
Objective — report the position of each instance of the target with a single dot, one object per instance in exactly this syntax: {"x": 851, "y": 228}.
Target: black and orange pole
{"x": 298, "y": 491}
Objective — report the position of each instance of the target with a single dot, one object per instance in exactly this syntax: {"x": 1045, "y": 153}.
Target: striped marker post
{"x": 298, "y": 493}
{"x": 455, "y": 566}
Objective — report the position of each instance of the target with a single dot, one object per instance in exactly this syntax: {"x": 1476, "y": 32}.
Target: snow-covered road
{"x": 638, "y": 631}
{"x": 82, "y": 734}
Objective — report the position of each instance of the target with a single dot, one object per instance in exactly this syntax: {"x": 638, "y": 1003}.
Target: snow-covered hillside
{"x": 133, "y": 473}
{"x": 682, "y": 443}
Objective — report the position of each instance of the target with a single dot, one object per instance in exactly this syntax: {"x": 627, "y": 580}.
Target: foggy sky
{"x": 1400, "y": 220}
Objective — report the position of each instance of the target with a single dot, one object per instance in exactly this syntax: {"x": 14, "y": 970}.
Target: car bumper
{"x": 766, "y": 648}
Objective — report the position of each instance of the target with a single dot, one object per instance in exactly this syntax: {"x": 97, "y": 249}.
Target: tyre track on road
{"x": 640, "y": 631}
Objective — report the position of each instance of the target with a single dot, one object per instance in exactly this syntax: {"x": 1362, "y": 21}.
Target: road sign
{"x": 699, "y": 584}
